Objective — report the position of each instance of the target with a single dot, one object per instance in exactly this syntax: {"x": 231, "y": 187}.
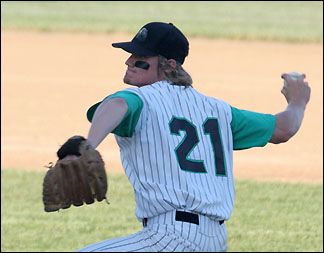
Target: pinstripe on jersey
{"x": 152, "y": 165}
{"x": 179, "y": 156}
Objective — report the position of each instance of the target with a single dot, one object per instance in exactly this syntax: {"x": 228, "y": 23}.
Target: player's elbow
{"x": 287, "y": 125}
{"x": 280, "y": 136}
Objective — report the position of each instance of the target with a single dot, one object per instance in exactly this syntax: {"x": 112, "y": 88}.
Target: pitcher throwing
{"x": 177, "y": 144}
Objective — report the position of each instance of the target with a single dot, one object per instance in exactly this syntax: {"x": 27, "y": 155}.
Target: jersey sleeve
{"x": 129, "y": 122}
{"x": 251, "y": 129}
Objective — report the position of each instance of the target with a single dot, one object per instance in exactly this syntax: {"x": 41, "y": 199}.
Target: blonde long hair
{"x": 178, "y": 76}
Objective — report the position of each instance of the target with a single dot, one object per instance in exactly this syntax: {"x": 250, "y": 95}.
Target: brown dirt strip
{"x": 49, "y": 80}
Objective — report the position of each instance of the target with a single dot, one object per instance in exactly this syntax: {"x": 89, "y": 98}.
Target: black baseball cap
{"x": 158, "y": 38}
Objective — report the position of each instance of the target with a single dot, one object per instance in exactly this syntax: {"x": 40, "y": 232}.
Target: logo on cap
{"x": 142, "y": 34}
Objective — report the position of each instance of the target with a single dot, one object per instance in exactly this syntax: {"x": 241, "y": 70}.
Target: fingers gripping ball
{"x": 77, "y": 181}
{"x": 293, "y": 75}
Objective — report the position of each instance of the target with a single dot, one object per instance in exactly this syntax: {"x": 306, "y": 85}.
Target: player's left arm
{"x": 106, "y": 118}
{"x": 288, "y": 122}
{"x": 117, "y": 113}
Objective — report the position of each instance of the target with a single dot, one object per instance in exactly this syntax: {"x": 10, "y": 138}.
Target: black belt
{"x": 186, "y": 217}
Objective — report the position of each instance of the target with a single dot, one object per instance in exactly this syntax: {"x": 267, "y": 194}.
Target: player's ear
{"x": 172, "y": 65}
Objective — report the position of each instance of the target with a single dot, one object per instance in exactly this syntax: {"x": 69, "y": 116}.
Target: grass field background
{"x": 267, "y": 216}
{"x": 293, "y": 21}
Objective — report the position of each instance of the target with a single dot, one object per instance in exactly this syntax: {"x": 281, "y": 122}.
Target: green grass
{"x": 25, "y": 226}
{"x": 293, "y": 21}
{"x": 276, "y": 217}
{"x": 267, "y": 216}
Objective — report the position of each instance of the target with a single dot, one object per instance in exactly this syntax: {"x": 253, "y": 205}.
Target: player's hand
{"x": 297, "y": 90}
{"x": 70, "y": 149}
{"x": 70, "y": 157}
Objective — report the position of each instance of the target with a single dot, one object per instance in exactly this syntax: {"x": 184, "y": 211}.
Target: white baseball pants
{"x": 165, "y": 233}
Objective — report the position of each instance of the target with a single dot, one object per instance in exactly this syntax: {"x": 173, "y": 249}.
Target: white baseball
{"x": 293, "y": 75}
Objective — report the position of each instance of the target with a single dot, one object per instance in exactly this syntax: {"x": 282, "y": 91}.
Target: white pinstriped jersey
{"x": 172, "y": 159}
{"x": 177, "y": 150}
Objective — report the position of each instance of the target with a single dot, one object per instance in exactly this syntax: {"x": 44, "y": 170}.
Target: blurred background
{"x": 57, "y": 61}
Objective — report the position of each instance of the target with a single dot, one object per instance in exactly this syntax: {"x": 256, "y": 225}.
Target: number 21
{"x": 190, "y": 141}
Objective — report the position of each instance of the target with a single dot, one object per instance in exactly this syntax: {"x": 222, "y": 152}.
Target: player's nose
{"x": 130, "y": 61}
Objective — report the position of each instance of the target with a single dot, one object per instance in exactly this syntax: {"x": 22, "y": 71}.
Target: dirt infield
{"x": 49, "y": 80}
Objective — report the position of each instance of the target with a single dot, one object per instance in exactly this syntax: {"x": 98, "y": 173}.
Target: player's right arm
{"x": 288, "y": 122}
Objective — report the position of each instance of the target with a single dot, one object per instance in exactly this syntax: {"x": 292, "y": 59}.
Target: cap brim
{"x": 134, "y": 48}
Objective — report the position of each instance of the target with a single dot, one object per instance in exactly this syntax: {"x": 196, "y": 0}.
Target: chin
{"x": 125, "y": 80}
{"x": 128, "y": 81}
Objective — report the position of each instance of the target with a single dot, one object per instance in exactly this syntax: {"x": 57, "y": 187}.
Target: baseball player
{"x": 177, "y": 144}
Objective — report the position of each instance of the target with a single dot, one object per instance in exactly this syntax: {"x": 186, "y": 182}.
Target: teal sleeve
{"x": 135, "y": 105}
{"x": 251, "y": 129}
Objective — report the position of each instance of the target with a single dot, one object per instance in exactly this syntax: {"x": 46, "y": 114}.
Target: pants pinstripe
{"x": 163, "y": 233}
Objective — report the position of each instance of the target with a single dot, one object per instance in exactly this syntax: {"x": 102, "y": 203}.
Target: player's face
{"x": 138, "y": 76}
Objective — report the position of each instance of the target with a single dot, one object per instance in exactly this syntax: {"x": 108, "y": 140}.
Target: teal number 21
{"x": 190, "y": 141}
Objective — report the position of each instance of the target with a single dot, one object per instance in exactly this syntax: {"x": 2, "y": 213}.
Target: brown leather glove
{"x": 75, "y": 181}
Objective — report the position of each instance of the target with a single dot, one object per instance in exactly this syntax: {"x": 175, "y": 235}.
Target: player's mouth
{"x": 130, "y": 71}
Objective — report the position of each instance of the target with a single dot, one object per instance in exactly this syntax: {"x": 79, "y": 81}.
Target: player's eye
{"x": 141, "y": 57}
